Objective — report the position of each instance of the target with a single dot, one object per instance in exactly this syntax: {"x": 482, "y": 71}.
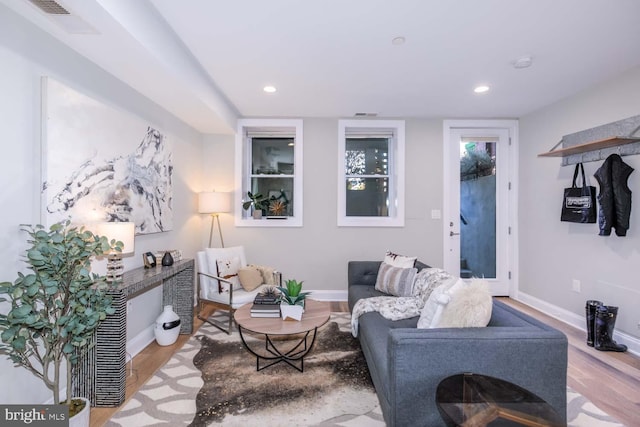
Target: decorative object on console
{"x": 123, "y": 232}
{"x": 175, "y": 254}
{"x": 149, "y": 260}
{"x": 167, "y": 259}
{"x": 47, "y": 304}
{"x": 167, "y": 326}
{"x": 214, "y": 203}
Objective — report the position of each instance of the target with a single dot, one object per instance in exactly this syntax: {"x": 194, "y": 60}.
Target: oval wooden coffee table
{"x": 316, "y": 314}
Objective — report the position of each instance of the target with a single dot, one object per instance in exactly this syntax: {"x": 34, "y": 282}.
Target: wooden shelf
{"x": 590, "y": 146}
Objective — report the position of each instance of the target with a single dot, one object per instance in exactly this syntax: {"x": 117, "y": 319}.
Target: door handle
{"x": 451, "y": 234}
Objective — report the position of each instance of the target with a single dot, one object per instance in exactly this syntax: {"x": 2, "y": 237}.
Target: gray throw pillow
{"x": 395, "y": 281}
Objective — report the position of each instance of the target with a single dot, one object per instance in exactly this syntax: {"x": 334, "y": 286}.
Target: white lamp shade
{"x": 119, "y": 231}
{"x": 214, "y": 202}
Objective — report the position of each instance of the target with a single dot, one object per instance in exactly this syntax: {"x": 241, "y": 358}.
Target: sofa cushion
{"x": 395, "y": 281}
{"x": 228, "y": 269}
{"x": 439, "y": 298}
{"x": 250, "y": 278}
{"x": 401, "y": 261}
{"x": 470, "y": 306}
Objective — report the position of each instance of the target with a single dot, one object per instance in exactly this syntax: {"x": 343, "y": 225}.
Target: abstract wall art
{"x": 102, "y": 164}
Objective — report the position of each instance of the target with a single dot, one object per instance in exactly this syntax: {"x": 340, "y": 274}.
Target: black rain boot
{"x": 590, "y": 310}
{"x": 605, "y": 322}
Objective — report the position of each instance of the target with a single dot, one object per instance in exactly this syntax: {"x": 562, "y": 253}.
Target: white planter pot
{"x": 82, "y": 418}
{"x": 167, "y": 326}
{"x": 291, "y": 312}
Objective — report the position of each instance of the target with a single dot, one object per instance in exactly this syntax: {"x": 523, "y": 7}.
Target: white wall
{"x": 319, "y": 251}
{"x": 553, "y": 253}
{"x": 27, "y": 54}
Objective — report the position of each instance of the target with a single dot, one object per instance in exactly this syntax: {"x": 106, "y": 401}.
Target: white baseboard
{"x": 328, "y": 295}
{"x": 138, "y": 343}
{"x": 575, "y": 320}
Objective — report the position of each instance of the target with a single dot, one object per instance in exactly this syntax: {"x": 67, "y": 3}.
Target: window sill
{"x": 269, "y": 222}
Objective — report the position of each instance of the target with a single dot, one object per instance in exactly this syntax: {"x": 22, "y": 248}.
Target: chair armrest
{"x": 219, "y": 279}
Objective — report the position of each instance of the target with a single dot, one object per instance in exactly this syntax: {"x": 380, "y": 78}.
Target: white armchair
{"x": 218, "y": 283}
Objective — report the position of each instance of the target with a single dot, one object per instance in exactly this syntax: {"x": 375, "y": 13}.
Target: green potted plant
{"x": 259, "y": 202}
{"x": 56, "y": 308}
{"x": 292, "y": 300}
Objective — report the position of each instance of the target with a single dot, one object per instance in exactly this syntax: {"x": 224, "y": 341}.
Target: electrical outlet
{"x": 575, "y": 285}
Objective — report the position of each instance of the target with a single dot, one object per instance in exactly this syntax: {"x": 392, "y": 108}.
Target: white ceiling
{"x": 207, "y": 61}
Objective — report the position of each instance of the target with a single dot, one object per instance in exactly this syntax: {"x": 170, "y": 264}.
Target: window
{"x": 371, "y": 173}
{"x": 269, "y": 163}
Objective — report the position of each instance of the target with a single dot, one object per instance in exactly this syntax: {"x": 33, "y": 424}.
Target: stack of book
{"x": 265, "y": 306}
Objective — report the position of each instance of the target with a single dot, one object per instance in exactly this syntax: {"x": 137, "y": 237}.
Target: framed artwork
{"x": 102, "y": 164}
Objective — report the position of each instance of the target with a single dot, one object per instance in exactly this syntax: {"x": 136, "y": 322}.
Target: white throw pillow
{"x": 228, "y": 269}
{"x": 438, "y": 299}
{"x": 399, "y": 260}
{"x": 470, "y": 306}
{"x": 394, "y": 280}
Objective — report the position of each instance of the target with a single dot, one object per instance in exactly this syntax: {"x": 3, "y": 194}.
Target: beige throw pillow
{"x": 250, "y": 278}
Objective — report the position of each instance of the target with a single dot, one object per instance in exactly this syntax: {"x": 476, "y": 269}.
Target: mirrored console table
{"x": 99, "y": 375}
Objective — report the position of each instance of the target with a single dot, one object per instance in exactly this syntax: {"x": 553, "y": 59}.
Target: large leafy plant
{"x": 56, "y": 308}
{"x": 291, "y": 294}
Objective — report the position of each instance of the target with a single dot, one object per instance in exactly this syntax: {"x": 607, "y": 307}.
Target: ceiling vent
{"x": 366, "y": 115}
{"x": 50, "y": 7}
{"x": 66, "y": 20}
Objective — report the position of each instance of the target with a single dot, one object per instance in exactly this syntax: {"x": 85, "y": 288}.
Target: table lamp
{"x": 118, "y": 231}
{"x": 214, "y": 203}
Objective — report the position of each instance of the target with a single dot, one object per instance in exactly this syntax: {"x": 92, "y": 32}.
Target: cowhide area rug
{"x": 213, "y": 380}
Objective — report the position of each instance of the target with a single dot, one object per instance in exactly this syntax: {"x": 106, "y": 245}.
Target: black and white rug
{"x": 212, "y": 380}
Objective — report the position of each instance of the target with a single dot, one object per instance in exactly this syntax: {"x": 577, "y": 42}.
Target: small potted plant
{"x": 259, "y": 202}
{"x": 55, "y": 309}
{"x": 292, "y": 300}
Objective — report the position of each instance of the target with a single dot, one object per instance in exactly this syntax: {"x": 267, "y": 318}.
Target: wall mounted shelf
{"x": 598, "y": 143}
{"x": 614, "y": 141}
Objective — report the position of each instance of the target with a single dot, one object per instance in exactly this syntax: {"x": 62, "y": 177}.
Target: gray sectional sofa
{"x": 407, "y": 364}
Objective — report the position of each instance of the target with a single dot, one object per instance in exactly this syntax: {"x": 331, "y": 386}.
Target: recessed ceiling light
{"x": 481, "y": 89}
{"x": 269, "y": 89}
{"x": 398, "y": 40}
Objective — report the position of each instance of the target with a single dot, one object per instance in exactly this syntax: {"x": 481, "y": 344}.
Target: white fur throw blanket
{"x": 398, "y": 308}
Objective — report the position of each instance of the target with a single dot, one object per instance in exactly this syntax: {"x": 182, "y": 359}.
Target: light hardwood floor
{"x": 610, "y": 380}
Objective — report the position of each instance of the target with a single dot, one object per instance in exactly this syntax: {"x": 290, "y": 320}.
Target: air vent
{"x": 366, "y": 115}
{"x": 50, "y": 7}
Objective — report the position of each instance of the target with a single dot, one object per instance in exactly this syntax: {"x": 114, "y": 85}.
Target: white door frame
{"x": 512, "y": 242}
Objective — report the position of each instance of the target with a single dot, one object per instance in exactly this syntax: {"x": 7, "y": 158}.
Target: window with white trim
{"x": 371, "y": 173}
{"x": 269, "y": 164}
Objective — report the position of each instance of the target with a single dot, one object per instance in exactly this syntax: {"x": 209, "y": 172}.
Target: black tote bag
{"x": 579, "y": 203}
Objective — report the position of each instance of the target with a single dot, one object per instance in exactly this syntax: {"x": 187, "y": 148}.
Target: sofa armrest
{"x": 532, "y": 358}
